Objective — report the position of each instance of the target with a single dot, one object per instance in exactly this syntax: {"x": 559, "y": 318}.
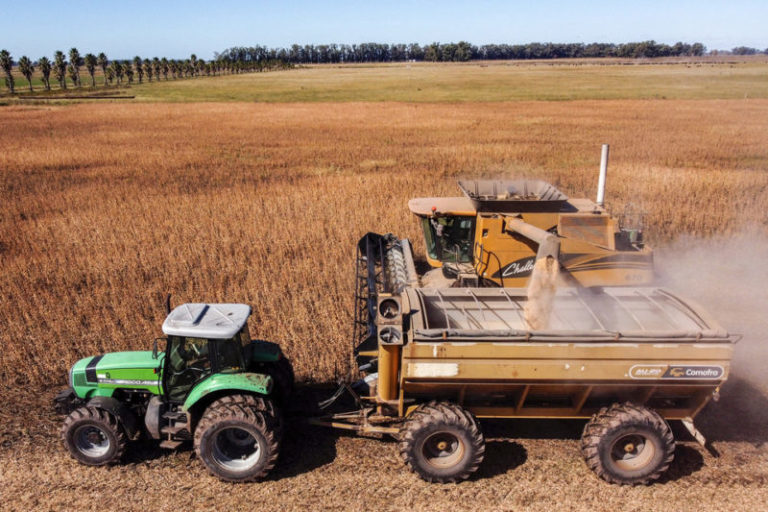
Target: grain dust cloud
{"x": 729, "y": 277}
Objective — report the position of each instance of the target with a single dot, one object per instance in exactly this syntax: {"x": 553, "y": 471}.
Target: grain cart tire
{"x": 237, "y": 443}
{"x": 627, "y": 444}
{"x": 442, "y": 442}
{"x": 259, "y": 403}
{"x": 93, "y": 436}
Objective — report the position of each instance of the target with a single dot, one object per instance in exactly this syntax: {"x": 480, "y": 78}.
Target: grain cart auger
{"x": 434, "y": 360}
{"x": 212, "y": 385}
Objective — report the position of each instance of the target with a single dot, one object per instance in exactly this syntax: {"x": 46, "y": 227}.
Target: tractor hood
{"x": 139, "y": 360}
{"x": 101, "y": 375}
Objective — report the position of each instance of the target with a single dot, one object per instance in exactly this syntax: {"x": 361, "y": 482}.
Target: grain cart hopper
{"x": 212, "y": 385}
{"x": 629, "y": 359}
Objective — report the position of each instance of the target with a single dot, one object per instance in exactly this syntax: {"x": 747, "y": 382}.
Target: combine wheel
{"x": 627, "y": 444}
{"x": 237, "y": 443}
{"x": 93, "y": 436}
{"x": 442, "y": 442}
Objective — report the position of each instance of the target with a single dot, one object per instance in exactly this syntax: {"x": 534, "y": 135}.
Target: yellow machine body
{"x": 594, "y": 250}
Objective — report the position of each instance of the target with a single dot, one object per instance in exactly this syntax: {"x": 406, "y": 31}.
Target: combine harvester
{"x": 527, "y": 314}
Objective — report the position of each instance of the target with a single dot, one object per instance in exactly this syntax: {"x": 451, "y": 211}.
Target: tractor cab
{"x": 203, "y": 340}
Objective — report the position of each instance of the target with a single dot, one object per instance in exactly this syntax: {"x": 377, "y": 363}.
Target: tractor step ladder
{"x": 172, "y": 430}
{"x": 170, "y": 445}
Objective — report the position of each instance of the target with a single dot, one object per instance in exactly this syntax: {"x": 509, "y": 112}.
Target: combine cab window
{"x": 449, "y": 239}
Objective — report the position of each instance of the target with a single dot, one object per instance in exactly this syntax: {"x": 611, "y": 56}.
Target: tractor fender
{"x": 114, "y": 406}
{"x": 247, "y": 382}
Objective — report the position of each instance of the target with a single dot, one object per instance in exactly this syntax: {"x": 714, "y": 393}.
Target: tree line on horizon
{"x": 464, "y": 51}
{"x": 240, "y": 59}
{"x": 69, "y": 66}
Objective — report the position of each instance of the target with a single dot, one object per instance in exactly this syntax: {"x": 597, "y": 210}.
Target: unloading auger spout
{"x": 549, "y": 244}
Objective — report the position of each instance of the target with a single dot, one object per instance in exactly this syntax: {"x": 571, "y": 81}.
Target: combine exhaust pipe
{"x": 601, "y": 180}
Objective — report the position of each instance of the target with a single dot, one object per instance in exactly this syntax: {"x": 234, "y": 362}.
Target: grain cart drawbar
{"x": 629, "y": 359}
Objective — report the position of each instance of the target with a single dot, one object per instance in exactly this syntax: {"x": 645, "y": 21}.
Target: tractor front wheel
{"x": 93, "y": 436}
{"x": 237, "y": 443}
{"x": 442, "y": 442}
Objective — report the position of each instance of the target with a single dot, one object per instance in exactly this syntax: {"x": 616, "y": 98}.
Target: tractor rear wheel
{"x": 258, "y": 403}
{"x": 442, "y": 442}
{"x": 628, "y": 444}
{"x": 237, "y": 443}
{"x": 93, "y": 436}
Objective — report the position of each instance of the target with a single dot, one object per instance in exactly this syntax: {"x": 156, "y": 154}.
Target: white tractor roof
{"x": 219, "y": 321}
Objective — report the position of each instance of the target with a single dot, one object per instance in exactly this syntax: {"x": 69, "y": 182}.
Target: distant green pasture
{"x": 509, "y": 81}
{"x": 474, "y": 81}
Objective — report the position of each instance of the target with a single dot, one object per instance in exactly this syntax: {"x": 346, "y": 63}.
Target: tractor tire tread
{"x": 104, "y": 419}
{"x": 240, "y": 410}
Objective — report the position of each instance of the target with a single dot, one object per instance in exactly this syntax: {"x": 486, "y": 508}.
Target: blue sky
{"x": 175, "y": 28}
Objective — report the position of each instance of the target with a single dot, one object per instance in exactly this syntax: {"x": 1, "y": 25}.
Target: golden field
{"x": 110, "y": 207}
{"x": 106, "y": 208}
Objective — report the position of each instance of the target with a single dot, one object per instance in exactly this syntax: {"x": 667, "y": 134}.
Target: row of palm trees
{"x": 123, "y": 71}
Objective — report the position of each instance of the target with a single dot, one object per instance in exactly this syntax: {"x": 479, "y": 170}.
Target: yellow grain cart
{"x": 629, "y": 359}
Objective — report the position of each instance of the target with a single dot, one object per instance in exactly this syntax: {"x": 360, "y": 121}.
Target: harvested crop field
{"x": 108, "y": 207}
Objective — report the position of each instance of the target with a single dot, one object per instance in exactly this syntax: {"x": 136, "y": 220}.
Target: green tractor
{"x": 212, "y": 385}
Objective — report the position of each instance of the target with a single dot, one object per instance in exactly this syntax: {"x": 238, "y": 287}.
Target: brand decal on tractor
{"x": 129, "y": 382}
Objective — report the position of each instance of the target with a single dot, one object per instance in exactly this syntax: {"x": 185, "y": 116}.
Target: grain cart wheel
{"x": 442, "y": 442}
{"x": 237, "y": 443}
{"x": 627, "y": 444}
{"x": 93, "y": 436}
